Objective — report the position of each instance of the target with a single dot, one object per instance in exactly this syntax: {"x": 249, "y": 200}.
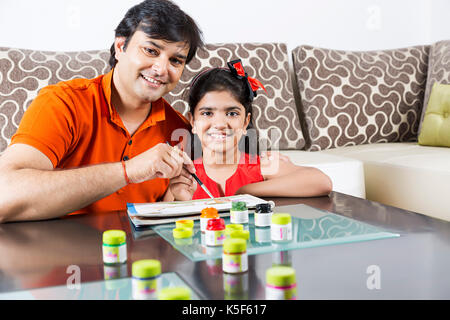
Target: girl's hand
{"x": 273, "y": 163}
{"x": 183, "y": 186}
{"x": 272, "y": 155}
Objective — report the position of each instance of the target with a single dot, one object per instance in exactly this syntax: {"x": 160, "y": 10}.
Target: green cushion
{"x": 436, "y": 123}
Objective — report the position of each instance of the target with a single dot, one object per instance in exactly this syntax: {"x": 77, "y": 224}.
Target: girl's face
{"x": 219, "y": 120}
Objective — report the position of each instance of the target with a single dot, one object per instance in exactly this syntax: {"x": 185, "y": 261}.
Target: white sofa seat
{"x": 405, "y": 175}
{"x": 346, "y": 174}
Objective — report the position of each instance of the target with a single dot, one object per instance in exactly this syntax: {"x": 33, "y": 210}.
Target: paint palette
{"x": 311, "y": 227}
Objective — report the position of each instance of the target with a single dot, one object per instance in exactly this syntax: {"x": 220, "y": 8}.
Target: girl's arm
{"x": 284, "y": 179}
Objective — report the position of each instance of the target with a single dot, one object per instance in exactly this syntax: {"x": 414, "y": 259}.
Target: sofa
{"x": 355, "y": 115}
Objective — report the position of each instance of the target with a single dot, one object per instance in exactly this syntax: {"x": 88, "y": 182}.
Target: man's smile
{"x": 152, "y": 81}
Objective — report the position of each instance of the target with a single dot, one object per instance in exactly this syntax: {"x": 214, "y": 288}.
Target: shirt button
{"x": 125, "y": 158}
{"x": 130, "y": 142}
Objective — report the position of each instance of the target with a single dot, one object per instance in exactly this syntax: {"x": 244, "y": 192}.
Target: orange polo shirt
{"x": 74, "y": 124}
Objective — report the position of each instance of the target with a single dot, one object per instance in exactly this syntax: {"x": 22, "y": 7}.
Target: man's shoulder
{"x": 71, "y": 97}
{"x": 74, "y": 87}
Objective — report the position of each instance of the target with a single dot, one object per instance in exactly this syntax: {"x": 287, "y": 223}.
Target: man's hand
{"x": 161, "y": 161}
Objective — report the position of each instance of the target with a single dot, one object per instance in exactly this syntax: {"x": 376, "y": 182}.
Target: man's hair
{"x": 159, "y": 19}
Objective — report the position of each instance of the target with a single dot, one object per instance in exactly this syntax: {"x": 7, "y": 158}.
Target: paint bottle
{"x": 215, "y": 232}
{"x": 232, "y": 227}
{"x": 263, "y": 214}
{"x": 241, "y": 234}
{"x": 234, "y": 256}
{"x": 206, "y": 214}
{"x": 281, "y": 227}
{"x": 185, "y": 223}
{"x": 114, "y": 246}
{"x": 145, "y": 279}
{"x": 281, "y": 283}
{"x": 182, "y": 236}
{"x": 174, "y": 293}
{"x": 238, "y": 212}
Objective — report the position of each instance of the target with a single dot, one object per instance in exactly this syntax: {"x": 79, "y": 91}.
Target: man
{"x": 96, "y": 144}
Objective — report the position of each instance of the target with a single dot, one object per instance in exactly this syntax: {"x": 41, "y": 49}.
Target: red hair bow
{"x": 237, "y": 69}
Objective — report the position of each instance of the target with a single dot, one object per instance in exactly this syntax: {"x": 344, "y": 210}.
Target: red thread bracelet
{"x": 125, "y": 173}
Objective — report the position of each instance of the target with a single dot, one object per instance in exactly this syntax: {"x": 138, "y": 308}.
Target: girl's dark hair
{"x": 220, "y": 79}
{"x": 159, "y": 19}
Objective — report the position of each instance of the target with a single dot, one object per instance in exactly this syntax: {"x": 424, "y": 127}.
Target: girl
{"x": 220, "y": 102}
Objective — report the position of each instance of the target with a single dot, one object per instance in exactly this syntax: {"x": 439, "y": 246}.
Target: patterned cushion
{"x": 274, "y": 113}
{"x": 24, "y": 72}
{"x": 353, "y": 98}
{"x": 438, "y": 70}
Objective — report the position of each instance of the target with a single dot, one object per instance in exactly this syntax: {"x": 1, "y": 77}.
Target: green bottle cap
{"x": 242, "y": 234}
{"x": 280, "y": 276}
{"x": 184, "y": 223}
{"x": 182, "y": 233}
{"x": 114, "y": 237}
{"x": 174, "y": 293}
{"x": 281, "y": 218}
{"x": 233, "y": 227}
{"x": 238, "y": 206}
{"x": 234, "y": 245}
{"x": 146, "y": 268}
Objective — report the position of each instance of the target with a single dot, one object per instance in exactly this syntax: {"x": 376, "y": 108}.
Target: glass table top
{"x": 108, "y": 289}
{"x": 311, "y": 227}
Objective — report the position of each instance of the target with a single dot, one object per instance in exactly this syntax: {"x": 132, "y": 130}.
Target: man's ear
{"x": 191, "y": 121}
{"x": 119, "y": 46}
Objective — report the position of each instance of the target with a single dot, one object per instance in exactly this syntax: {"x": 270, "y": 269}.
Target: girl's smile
{"x": 219, "y": 135}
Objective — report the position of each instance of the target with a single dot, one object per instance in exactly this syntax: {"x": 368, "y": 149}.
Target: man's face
{"x": 148, "y": 68}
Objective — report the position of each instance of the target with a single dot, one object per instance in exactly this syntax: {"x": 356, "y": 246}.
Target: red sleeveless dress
{"x": 248, "y": 171}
